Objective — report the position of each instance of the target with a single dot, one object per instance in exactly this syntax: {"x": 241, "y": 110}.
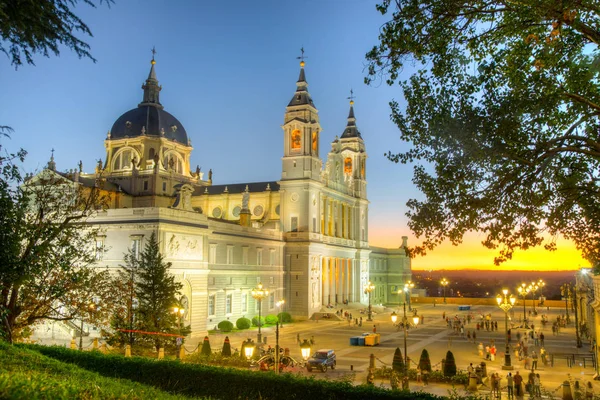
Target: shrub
{"x": 398, "y": 363}
{"x": 271, "y": 319}
{"x": 424, "y": 362}
{"x": 206, "y": 350}
{"x": 226, "y": 351}
{"x": 449, "y": 365}
{"x": 256, "y": 323}
{"x": 225, "y": 326}
{"x": 243, "y": 323}
{"x": 284, "y": 317}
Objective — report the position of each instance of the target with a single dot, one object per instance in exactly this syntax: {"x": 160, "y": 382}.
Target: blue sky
{"x": 228, "y": 69}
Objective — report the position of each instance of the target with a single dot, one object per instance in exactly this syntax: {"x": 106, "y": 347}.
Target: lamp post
{"x": 278, "y": 304}
{"x": 533, "y": 288}
{"x": 179, "y": 311}
{"x": 409, "y": 285}
{"x": 249, "y": 349}
{"x": 394, "y": 317}
{"x": 541, "y": 285}
{"x": 368, "y": 289}
{"x": 305, "y": 350}
{"x": 523, "y": 290}
{"x": 565, "y": 291}
{"x": 444, "y": 283}
{"x": 506, "y": 302}
{"x": 259, "y": 294}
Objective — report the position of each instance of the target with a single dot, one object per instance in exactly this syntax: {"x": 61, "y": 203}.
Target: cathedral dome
{"x": 149, "y": 120}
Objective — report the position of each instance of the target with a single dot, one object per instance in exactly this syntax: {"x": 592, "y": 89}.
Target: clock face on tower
{"x": 348, "y": 165}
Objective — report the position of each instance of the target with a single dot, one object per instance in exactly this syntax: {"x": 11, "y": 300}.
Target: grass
{"x": 26, "y": 374}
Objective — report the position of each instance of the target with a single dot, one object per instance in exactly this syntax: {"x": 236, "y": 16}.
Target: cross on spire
{"x": 352, "y": 97}
{"x": 153, "y": 53}
{"x": 302, "y": 56}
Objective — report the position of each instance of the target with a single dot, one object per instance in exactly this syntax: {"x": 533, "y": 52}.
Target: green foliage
{"x": 47, "y": 253}
{"x": 226, "y": 351}
{"x": 201, "y": 380}
{"x": 284, "y": 317}
{"x": 398, "y": 362}
{"x": 501, "y": 114}
{"x": 26, "y": 374}
{"x": 42, "y": 27}
{"x": 449, "y": 365}
{"x": 255, "y": 321}
{"x": 424, "y": 362}
{"x": 157, "y": 293}
{"x": 225, "y": 326}
{"x": 271, "y": 319}
{"x": 206, "y": 350}
{"x": 243, "y": 323}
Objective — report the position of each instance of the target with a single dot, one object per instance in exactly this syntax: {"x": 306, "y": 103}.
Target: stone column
{"x": 325, "y": 281}
{"x": 349, "y": 279}
{"x": 332, "y": 280}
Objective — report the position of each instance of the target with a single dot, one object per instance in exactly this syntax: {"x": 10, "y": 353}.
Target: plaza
{"x": 433, "y": 334}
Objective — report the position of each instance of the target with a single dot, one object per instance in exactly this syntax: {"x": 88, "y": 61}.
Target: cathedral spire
{"x": 51, "y": 164}
{"x": 351, "y": 130}
{"x": 151, "y": 87}
{"x": 301, "y": 97}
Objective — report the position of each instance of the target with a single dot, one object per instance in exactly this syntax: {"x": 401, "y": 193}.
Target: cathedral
{"x": 304, "y": 235}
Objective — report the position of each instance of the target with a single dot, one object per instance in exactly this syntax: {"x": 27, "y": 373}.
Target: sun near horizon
{"x": 472, "y": 255}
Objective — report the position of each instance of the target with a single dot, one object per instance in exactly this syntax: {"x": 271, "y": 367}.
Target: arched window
{"x": 296, "y": 139}
{"x": 348, "y": 165}
{"x": 123, "y": 159}
{"x": 172, "y": 161}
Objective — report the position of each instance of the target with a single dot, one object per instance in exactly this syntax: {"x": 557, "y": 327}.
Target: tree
{"x": 206, "y": 350}
{"x": 502, "y": 117}
{"x": 424, "y": 361}
{"x": 226, "y": 351}
{"x": 398, "y": 361}
{"x": 47, "y": 256}
{"x": 449, "y": 364}
{"x": 156, "y": 290}
{"x": 40, "y": 27}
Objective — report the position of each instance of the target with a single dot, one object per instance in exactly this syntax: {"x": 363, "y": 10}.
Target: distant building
{"x": 304, "y": 236}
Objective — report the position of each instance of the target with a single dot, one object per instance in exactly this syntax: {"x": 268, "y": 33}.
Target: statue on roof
{"x": 245, "y": 199}
{"x": 80, "y": 166}
{"x": 210, "y": 174}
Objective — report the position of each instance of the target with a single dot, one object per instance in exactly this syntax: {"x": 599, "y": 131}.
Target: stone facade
{"x": 304, "y": 237}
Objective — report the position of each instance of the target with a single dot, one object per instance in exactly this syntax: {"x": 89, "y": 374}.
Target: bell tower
{"x": 301, "y": 130}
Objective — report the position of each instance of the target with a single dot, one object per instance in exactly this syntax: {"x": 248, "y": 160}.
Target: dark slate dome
{"x": 153, "y": 121}
{"x": 149, "y": 118}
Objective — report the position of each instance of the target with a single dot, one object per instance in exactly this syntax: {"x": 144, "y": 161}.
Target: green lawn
{"x": 26, "y": 374}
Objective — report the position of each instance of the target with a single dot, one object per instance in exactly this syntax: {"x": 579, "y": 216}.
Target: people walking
{"x": 510, "y": 386}
{"x": 534, "y": 360}
{"x": 518, "y": 379}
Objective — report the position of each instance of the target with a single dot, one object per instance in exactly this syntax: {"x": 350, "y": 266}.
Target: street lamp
{"x": 305, "y": 349}
{"x": 179, "y": 311}
{"x": 444, "y": 283}
{"x": 249, "y": 349}
{"x": 259, "y": 294}
{"x": 523, "y": 290}
{"x": 533, "y": 287}
{"x": 278, "y": 304}
{"x": 506, "y": 302}
{"x": 368, "y": 289}
{"x": 565, "y": 291}
{"x": 409, "y": 285}
{"x": 541, "y": 285}
{"x": 394, "y": 317}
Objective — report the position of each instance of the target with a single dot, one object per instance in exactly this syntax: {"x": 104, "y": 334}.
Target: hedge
{"x": 255, "y": 321}
{"x": 271, "y": 319}
{"x": 221, "y": 383}
{"x": 284, "y": 317}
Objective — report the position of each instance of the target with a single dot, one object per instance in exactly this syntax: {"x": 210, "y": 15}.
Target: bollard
{"x": 103, "y": 348}
{"x": 95, "y": 346}
{"x": 567, "y": 395}
{"x": 161, "y": 353}
{"x": 351, "y": 367}
{"x": 128, "y": 350}
{"x": 73, "y": 345}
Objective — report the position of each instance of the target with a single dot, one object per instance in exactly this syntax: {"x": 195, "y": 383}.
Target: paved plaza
{"x": 433, "y": 335}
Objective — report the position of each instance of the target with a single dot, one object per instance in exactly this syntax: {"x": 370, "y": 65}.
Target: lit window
{"x": 228, "y": 304}
{"x": 244, "y": 302}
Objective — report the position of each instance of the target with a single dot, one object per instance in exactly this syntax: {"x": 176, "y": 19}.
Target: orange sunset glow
{"x": 472, "y": 255}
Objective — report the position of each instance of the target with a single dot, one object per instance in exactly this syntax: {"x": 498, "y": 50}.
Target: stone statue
{"x": 198, "y": 171}
{"x": 210, "y": 174}
{"x": 99, "y": 166}
{"x": 245, "y": 199}
{"x": 80, "y": 166}
{"x": 171, "y": 163}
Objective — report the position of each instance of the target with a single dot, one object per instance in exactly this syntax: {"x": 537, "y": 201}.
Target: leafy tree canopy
{"x": 41, "y": 27}
{"x": 502, "y": 117}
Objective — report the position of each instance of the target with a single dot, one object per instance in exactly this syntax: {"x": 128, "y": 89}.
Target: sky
{"x": 227, "y": 71}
